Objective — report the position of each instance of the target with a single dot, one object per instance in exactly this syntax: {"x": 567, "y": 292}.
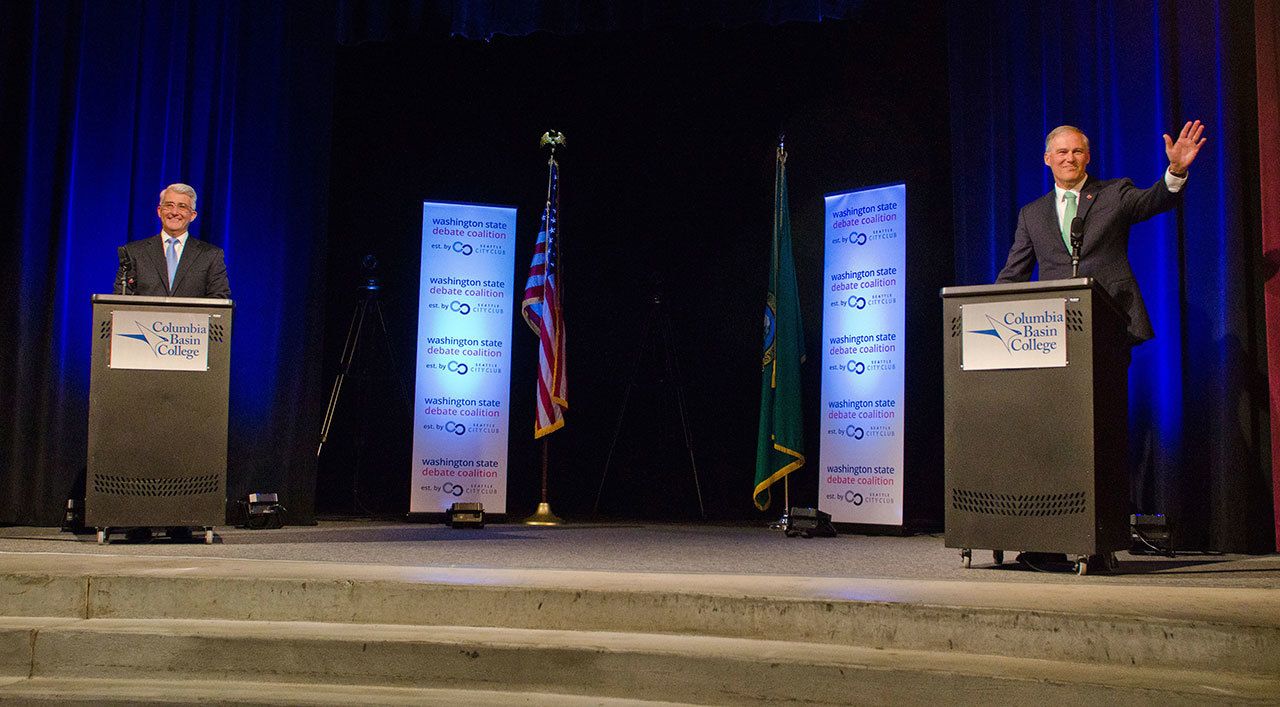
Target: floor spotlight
{"x": 465, "y": 515}
{"x": 263, "y": 511}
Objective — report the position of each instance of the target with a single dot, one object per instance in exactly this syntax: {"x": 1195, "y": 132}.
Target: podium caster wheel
{"x": 208, "y": 536}
{"x": 966, "y": 558}
{"x": 1082, "y": 566}
{"x": 103, "y": 535}
{"x": 998, "y": 556}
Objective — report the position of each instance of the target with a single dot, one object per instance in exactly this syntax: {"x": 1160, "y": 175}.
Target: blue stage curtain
{"x": 380, "y": 20}
{"x": 104, "y": 104}
{"x": 1126, "y": 72}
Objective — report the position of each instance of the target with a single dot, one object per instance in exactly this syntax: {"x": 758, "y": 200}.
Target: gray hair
{"x": 181, "y": 189}
{"x": 1058, "y": 131}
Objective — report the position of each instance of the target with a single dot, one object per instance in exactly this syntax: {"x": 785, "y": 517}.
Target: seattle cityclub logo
{"x": 457, "y": 367}
{"x": 453, "y": 489}
{"x": 459, "y": 307}
{"x": 854, "y": 238}
{"x": 455, "y": 427}
{"x": 463, "y": 248}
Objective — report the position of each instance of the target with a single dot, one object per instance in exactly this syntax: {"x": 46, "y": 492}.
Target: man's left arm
{"x": 1162, "y": 196}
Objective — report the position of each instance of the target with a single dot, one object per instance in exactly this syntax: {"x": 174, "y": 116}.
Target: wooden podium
{"x": 158, "y": 392}
{"x": 1036, "y": 457}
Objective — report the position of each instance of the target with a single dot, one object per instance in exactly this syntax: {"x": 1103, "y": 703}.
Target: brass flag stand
{"x": 550, "y": 217}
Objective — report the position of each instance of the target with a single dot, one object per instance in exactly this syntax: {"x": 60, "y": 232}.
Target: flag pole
{"x": 544, "y": 516}
{"x": 784, "y": 520}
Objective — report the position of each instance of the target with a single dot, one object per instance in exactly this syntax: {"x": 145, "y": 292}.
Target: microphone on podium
{"x": 1077, "y": 238}
{"x": 127, "y": 278}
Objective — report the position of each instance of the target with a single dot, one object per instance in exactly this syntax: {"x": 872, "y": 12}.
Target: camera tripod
{"x": 659, "y": 320}
{"x": 367, "y": 302}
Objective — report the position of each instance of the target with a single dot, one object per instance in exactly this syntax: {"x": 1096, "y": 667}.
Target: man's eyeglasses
{"x": 174, "y": 205}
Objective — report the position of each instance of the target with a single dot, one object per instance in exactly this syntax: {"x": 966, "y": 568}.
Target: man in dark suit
{"x": 1108, "y": 209}
{"x": 172, "y": 264}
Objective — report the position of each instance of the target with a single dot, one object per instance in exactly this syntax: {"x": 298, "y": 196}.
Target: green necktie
{"x": 1068, "y": 215}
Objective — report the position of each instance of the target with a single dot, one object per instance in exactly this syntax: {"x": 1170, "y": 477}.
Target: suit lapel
{"x": 155, "y": 254}
{"x": 1088, "y": 195}
{"x": 1049, "y": 216}
{"x": 189, "y": 253}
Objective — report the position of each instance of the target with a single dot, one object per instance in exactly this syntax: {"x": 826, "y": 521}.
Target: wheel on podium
{"x": 208, "y": 536}
{"x": 966, "y": 558}
{"x": 104, "y": 534}
{"x": 1082, "y": 566}
{"x": 998, "y": 556}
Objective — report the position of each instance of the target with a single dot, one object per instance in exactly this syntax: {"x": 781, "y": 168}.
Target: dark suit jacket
{"x": 1109, "y": 208}
{"x": 202, "y": 270}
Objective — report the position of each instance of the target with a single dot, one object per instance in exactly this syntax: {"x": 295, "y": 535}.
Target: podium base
{"x": 543, "y": 516}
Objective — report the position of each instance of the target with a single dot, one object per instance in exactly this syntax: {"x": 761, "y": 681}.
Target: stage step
{"x": 106, "y": 692}
{"x": 331, "y": 659}
{"x": 704, "y": 639}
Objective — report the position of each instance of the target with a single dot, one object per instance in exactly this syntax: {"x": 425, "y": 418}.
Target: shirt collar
{"x": 1075, "y": 189}
{"x": 182, "y": 239}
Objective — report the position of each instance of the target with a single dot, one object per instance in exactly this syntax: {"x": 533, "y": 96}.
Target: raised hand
{"x": 1182, "y": 152}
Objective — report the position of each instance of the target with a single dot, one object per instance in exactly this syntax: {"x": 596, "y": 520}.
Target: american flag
{"x": 541, "y": 309}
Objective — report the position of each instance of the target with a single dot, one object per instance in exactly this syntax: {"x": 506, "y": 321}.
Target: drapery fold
{"x": 380, "y": 20}
{"x": 1125, "y": 73}
{"x": 107, "y": 103}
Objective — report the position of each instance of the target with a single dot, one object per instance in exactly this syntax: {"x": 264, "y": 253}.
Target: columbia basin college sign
{"x": 1021, "y": 334}
{"x": 159, "y": 341}
{"x": 463, "y": 380}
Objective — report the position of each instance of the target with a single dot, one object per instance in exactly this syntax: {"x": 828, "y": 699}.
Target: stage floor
{"x": 648, "y": 548}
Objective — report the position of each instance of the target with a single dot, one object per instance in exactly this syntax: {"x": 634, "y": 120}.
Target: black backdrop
{"x": 311, "y": 148}
{"x": 666, "y": 186}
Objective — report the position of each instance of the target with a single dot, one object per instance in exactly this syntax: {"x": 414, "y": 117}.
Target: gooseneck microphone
{"x": 1077, "y": 238}
{"x": 127, "y": 279}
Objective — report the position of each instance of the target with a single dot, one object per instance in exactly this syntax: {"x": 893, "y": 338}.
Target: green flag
{"x": 780, "y": 445}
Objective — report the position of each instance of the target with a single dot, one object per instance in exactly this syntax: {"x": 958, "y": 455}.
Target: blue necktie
{"x": 171, "y": 257}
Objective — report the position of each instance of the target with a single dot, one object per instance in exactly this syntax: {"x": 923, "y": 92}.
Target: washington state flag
{"x": 780, "y": 444}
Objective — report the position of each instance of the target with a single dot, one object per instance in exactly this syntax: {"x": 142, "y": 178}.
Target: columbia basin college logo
{"x": 159, "y": 340}
{"x": 1019, "y": 332}
{"x": 1023, "y": 334}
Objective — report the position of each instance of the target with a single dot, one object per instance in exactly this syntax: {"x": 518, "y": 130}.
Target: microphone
{"x": 1077, "y": 238}
{"x": 126, "y": 270}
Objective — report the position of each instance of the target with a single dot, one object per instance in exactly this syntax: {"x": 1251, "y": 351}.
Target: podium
{"x": 158, "y": 391}
{"x": 1036, "y": 419}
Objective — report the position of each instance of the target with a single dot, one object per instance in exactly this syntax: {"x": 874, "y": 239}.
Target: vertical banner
{"x": 463, "y": 376}
{"x": 863, "y": 334}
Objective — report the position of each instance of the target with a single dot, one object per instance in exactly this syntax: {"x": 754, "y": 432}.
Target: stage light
{"x": 262, "y": 511}
{"x": 465, "y": 515}
{"x": 809, "y": 523}
{"x": 1152, "y": 534}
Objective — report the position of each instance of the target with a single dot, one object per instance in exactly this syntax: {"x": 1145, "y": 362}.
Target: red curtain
{"x": 1268, "y": 56}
